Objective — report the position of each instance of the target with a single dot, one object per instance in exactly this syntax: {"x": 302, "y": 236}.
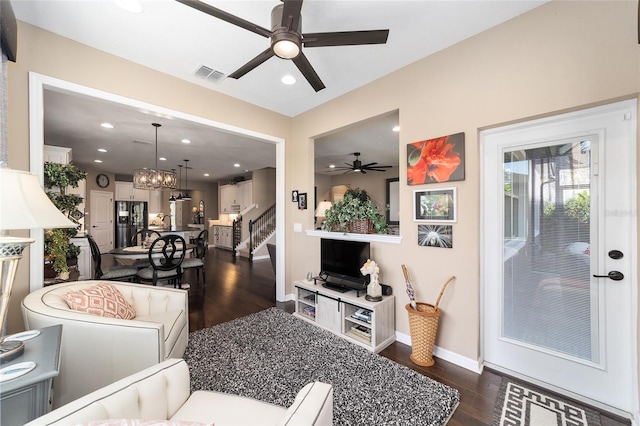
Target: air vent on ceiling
{"x": 209, "y": 74}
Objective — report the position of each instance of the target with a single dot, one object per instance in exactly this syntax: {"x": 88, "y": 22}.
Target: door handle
{"x": 614, "y": 275}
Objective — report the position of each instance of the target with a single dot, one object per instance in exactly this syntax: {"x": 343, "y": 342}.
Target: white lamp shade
{"x": 24, "y": 204}
{"x": 323, "y": 206}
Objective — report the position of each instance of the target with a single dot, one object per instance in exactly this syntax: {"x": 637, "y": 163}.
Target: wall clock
{"x": 102, "y": 180}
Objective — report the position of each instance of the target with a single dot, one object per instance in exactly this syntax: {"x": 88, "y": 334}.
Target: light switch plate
{"x": 297, "y": 227}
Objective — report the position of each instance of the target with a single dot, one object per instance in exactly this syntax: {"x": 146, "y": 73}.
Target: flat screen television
{"x": 340, "y": 263}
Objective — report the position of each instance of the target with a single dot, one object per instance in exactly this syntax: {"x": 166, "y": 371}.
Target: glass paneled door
{"x": 559, "y": 253}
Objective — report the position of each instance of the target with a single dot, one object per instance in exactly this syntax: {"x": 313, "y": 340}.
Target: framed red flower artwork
{"x": 436, "y": 160}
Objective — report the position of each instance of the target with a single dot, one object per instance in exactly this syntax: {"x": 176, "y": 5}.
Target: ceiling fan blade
{"x": 252, "y": 64}
{"x": 377, "y": 167}
{"x": 369, "y": 165}
{"x": 345, "y": 38}
{"x": 291, "y": 14}
{"x": 375, "y": 170}
{"x": 309, "y": 73}
{"x": 221, "y": 14}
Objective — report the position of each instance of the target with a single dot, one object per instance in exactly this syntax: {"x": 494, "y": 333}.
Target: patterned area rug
{"x": 271, "y": 355}
{"x": 524, "y": 405}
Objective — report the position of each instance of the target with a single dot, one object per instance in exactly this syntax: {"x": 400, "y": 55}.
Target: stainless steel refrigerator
{"x": 131, "y": 216}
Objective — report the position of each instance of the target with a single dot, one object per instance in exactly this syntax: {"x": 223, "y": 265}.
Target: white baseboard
{"x": 452, "y": 357}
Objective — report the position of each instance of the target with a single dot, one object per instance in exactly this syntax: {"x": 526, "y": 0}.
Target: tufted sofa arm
{"x": 161, "y": 392}
{"x": 98, "y": 350}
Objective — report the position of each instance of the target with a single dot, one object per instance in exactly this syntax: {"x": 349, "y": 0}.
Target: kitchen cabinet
{"x": 57, "y": 154}
{"x": 126, "y": 192}
{"x": 235, "y": 198}
{"x": 223, "y": 236}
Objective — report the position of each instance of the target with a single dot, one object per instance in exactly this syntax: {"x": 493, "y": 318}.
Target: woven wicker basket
{"x": 361, "y": 226}
{"x": 423, "y": 325}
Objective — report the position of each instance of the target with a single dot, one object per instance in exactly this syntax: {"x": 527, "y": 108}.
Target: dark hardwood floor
{"x": 237, "y": 287}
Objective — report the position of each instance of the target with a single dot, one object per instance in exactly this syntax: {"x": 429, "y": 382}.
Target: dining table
{"x": 129, "y": 255}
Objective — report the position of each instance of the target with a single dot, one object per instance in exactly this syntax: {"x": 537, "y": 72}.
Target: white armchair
{"x": 96, "y": 350}
{"x": 162, "y": 392}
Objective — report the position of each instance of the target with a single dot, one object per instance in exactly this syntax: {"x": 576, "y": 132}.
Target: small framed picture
{"x": 294, "y": 196}
{"x": 302, "y": 201}
{"x": 438, "y": 205}
{"x": 435, "y": 236}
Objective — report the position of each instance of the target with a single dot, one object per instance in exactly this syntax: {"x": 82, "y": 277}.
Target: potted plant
{"x": 355, "y": 213}
{"x": 59, "y": 251}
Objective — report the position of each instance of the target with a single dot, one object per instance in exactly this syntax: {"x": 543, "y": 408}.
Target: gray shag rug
{"x": 271, "y": 355}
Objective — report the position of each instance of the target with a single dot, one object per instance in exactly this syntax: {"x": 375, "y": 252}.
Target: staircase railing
{"x": 261, "y": 228}
{"x": 236, "y": 234}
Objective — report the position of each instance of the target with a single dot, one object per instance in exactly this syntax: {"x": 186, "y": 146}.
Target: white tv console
{"x": 338, "y": 313}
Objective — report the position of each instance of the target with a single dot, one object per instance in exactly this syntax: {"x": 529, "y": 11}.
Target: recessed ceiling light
{"x": 133, "y": 6}
{"x": 332, "y": 166}
{"x": 288, "y": 80}
{"x": 396, "y": 128}
{"x": 236, "y": 165}
{"x": 206, "y": 174}
{"x": 107, "y": 125}
{"x": 97, "y": 161}
{"x": 185, "y": 141}
{"x": 162, "y": 159}
{"x": 102, "y": 150}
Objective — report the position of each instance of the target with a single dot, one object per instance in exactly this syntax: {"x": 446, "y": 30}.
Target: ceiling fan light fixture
{"x": 285, "y": 45}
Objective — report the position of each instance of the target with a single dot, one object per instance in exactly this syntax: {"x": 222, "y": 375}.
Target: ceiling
{"x": 176, "y": 39}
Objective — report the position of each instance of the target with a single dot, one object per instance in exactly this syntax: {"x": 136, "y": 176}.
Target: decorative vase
{"x": 63, "y": 275}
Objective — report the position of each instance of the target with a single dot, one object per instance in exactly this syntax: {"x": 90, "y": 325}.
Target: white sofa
{"x": 96, "y": 350}
{"x": 162, "y": 392}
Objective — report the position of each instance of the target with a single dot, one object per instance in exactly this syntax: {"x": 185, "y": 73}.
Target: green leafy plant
{"x": 57, "y": 242}
{"x": 579, "y": 207}
{"x": 355, "y": 205}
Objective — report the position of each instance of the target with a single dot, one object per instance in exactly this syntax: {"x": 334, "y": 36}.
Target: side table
{"x": 30, "y": 396}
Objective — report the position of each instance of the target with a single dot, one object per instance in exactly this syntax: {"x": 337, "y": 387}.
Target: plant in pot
{"x": 58, "y": 249}
{"x": 355, "y": 213}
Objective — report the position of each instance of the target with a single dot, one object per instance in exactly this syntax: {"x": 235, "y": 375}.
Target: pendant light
{"x": 172, "y": 198}
{"x": 179, "y": 197}
{"x": 186, "y": 196}
{"x": 154, "y": 178}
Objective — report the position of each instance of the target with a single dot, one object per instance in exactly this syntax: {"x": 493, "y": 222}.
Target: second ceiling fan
{"x": 357, "y": 166}
{"x": 287, "y": 38}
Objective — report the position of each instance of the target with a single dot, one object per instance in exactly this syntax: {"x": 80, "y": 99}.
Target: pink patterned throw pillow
{"x": 103, "y": 299}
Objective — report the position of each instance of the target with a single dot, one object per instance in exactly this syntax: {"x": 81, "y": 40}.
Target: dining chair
{"x": 198, "y": 261}
{"x": 143, "y": 235}
{"x": 139, "y": 238}
{"x": 166, "y": 255}
{"x": 114, "y": 273}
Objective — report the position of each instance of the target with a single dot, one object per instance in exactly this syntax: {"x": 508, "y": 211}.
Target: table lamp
{"x": 23, "y": 205}
{"x": 323, "y": 206}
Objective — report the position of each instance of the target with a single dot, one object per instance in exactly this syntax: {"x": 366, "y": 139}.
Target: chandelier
{"x": 154, "y": 178}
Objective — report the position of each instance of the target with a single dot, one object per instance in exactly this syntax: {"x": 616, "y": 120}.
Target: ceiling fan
{"x": 357, "y": 166}
{"x": 287, "y": 38}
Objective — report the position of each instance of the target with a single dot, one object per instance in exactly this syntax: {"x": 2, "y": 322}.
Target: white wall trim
{"x": 446, "y": 355}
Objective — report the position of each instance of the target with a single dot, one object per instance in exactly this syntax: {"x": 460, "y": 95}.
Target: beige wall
{"x": 563, "y": 55}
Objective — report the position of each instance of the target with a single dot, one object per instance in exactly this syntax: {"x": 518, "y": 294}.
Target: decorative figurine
{"x": 374, "y": 290}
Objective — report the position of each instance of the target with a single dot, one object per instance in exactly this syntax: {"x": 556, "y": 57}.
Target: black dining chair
{"x": 141, "y": 237}
{"x": 198, "y": 261}
{"x": 166, "y": 255}
{"x": 114, "y": 273}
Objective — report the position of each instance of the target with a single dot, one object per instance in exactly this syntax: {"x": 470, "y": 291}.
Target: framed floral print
{"x": 436, "y": 160}
{"x": 437, "y": 205}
